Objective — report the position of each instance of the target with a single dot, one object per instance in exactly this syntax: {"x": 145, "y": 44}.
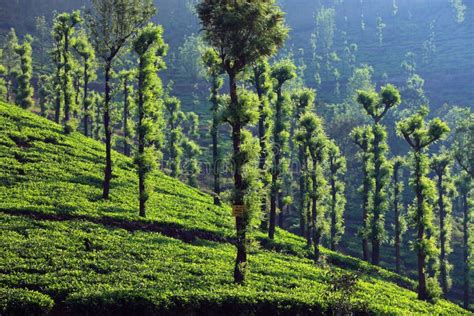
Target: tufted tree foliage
{"x": 112, "y": 24}
{"x": 241, "y": 32}
{"x": 262, "y": 82}
{"x": 400, "y": 226}
{"x": 43, "y": 93}
{"x": 150, "y": 48}
{"x": 174, "y": 135}
{"x": 363, "y": 137}
{"x": 10, "y": 61}
{"x": 63, "y": 30}
{"x": 420, "y": 135}
{"x": 3, "y": 83}
{"x": 85, "y": 51}
{"x": 465, "y": 187}
{"x": 211, "y": 60}
{"x": 464, "y": 144}
{"x": 281, "y": 72}
{"x": 127, "y": 78}
{"x": 303, "y": 102}
{"x": 377, "y": 105}
{"x": 441, "y": 165}
{"x": 191, "y": 151}
{"x": 311, "y": 135}
{"x": 24, "y": 91}
{"x": 337, "y": 169}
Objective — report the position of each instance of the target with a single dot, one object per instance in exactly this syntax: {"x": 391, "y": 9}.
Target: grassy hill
{"x": 64, "y": 250}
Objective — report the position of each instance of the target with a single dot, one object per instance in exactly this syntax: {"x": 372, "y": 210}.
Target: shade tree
{"x": 241, "y": 32}
{"x": 377, "y": 105}
{"x": 112, "y": 24}
{"x": 419, "y": 135}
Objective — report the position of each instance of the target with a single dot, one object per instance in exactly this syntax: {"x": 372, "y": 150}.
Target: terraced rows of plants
{"x": 64, "y": 249}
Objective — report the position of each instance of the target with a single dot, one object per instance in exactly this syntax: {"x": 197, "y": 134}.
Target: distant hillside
{"x": 65, "y": 250}
{"x": 448, "y": 71}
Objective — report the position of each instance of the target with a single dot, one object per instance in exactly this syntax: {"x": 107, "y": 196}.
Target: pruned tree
{"x": 214, "y": 77}
{"x": 263, "y": 85}
{"x": 112, "y": 24}
{"x": 465, "y": 188}
{"x": 377, "y": 105}
{"x": 86, "y": 53}
{"x": 10, "y": 61}
{"x": 192, "y": 151}
{"x": 43, "y": 93}
{"x": 311, "y": 135}
{"x": 128, "y": 93}
{"x": 303, "y": 102}
{"x": 63, "y": 29}
{"x": 397, "y": 194}
{"x": 24, "y": 92}
{"x": 464, "y": 144}
{"x": 150, "y": 48}
{"x": 174, "y": 135}
{"x": 363, "y": 137}
{"x": 241, "y": 32}
{"x": 441, "y": 165}
{"x": 281, "y": 72}
{"x": 336, "y": 167}
{"x": 420, "y": 135}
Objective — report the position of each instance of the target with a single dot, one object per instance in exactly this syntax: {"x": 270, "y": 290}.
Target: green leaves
{"x": 242, "y": 31}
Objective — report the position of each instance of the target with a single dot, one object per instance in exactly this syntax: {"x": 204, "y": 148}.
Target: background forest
{"x": 339, "y": 48}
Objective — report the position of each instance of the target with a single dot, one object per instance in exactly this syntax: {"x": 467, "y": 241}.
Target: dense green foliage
{"x": 420, "y": 135}
{"x": 150, "y": 48}
{"x": 242, "y": 32}
{"x": 111, "y": 25}
{"x": 96, "y": 256}
{"x": 377, "y": 106}
{"x": 24, "y": 91}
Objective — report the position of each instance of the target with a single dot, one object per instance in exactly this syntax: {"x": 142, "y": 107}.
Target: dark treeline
{"x": 373, "y": 164}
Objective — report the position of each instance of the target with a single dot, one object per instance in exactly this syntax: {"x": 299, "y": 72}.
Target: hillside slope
{"x": 63, "y": 249}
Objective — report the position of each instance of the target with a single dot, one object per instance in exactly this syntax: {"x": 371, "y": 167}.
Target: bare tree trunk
{"x": 108, "y": 134}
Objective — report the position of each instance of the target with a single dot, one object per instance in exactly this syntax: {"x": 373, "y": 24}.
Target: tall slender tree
{"x": 3, "y": 84}
{"x": 63, "y": 29}
{"x": 24, "y": 92}
{"x": 311, "y": 135}
{"x": 397, "y": 194}
{"x": 337, "y": 203}
{"x": 464, "y": 144}
{"x": 376, "y": 106}
{"x": 420, "y": 135}
{"x": 282, "y": 72}
{"x": 241, "y": 32}
{"x": 150, "y": 48}
{"x": 112, "y": 24}
{"x": 262, "y": 82}
{"x": 128, "y": 93}
{"x": 214, "y": 76}
{"x": 86, "y": 52}
{"x": 441, "y": 165}
{"x": 363, "y": 138}
{"x": 303, "y": 102}
{"x": 10, "y": 61}
{"x": 465, "y": 188}
{"x": 43, "y": 93}
{"x": 174, "y": 135}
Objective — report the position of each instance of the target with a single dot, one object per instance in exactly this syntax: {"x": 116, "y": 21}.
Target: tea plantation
{"x": 65, "y": 251}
